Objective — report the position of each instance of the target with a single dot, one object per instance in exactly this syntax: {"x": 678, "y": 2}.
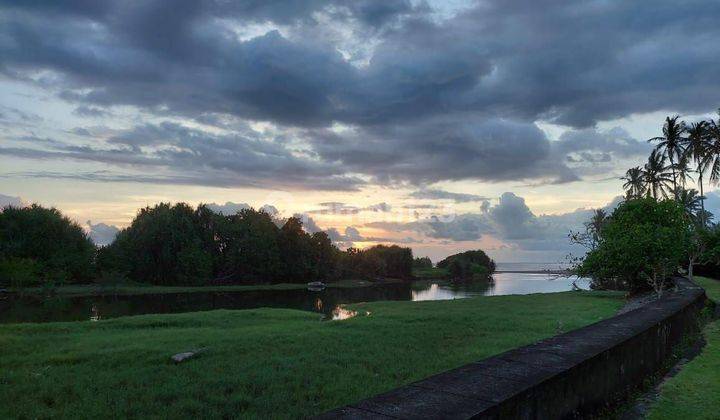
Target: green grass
{"x": 140, "y": 289}
{"x": 694, "y": 393}
{"x": 266, "y": 362}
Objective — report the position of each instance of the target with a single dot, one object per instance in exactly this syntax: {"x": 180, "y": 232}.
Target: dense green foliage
{"x": 645, "y": 242}
{"x": 694, "y": 393}
{"x": 265, "y": 363}
{"x": 642, "y": 243}
{"x": 41, "y": 246}
{"x": 422, "y": 263}
{"x": 179, "y": 245}
{"x": 468, "y": 265}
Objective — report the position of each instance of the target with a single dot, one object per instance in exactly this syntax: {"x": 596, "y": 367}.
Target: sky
{"x": 443, "y": 126}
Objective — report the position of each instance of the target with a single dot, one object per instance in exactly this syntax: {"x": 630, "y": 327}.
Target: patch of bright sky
{"x": 445, "y": 9}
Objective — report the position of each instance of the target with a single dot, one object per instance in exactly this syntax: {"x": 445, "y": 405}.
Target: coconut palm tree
{"x": 596, "y": 224}
{"x": 711, "y": 159}
{"x": 657, "y": 178}
{"x": 696, "y": 148}
{"x": 690, "y": 201}
{"x": 671, "y": 143}
{"x": 634, "y": 182}
{"x": 682, "y": 171}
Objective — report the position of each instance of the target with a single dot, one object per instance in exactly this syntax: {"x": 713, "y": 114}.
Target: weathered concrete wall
{"x": 566, "y": 376}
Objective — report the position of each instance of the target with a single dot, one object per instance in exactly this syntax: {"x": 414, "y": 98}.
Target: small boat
{"x": 316, "y": 286}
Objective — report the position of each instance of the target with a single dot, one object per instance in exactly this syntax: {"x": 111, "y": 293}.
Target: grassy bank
{"x": 141, "y": 289}
{"x": 266, "y": 362}
{"x": 694, "y": 393}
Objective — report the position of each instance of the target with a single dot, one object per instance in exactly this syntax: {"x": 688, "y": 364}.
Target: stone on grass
{"x": 181, "y": 357}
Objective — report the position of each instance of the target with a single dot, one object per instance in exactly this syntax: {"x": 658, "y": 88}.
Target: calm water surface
{"x": 327, "y": 303}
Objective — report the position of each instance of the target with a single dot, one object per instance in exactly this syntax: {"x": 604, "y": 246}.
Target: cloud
{"x": 193, "y": 156}
{"x": 419, "y": 96}
{"x": 434, "y": 194}
{"x": 308, "y": 222}
{"x": 572, "y": 63}
{"x": 444, "y": 148}
{"x": 335, "y": 207}
{"x": 510, "y": 221}
{"x": 102, "y": 234}
{"x": 229, "y": 208}
{"x": 8, "y": 200}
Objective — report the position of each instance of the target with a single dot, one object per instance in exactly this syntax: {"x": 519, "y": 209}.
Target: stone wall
{"x": 571, "y": 375}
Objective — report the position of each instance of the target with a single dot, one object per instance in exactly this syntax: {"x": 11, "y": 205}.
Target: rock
{"x": 181, "y": 357}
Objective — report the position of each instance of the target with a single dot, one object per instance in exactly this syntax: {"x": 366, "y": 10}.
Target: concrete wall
{"x": 567, "y": 376}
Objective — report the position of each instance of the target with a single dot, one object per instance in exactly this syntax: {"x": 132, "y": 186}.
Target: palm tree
{"x": 671, "y": 142}
{"x": 697, "y": 145}
{"x": 634, "y": 182}
{"x": 597, "y": 223}
{"x": 711, "y": 159}
{"x": 690, "y": 201}
{"x": 657, "y": 178}
{"x": 682, "y": 169}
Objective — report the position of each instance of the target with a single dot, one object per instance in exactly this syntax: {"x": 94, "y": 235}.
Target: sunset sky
{"x": 442, "y": 126}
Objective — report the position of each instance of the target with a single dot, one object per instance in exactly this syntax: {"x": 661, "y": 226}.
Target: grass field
{"x": 694, "y": 393}
{"x": 265, "y": 362}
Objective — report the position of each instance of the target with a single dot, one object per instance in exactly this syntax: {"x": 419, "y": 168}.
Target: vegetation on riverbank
{"x": 265, "y": 362}
{"x": 177, "y": 245}
{"x": 468, "y": 265}
{"x": 694, "y": 393}
{"x": 661, "y": 226}
{"x": 142, "y": 289}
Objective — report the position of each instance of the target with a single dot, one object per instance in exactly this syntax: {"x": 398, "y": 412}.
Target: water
{"x": 327, "y": 303}
{"x": 532, "y": 266}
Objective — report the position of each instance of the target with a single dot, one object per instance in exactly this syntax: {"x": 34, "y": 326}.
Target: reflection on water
{"x": 328, "y": 302}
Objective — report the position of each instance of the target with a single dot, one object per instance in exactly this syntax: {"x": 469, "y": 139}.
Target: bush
{"x": 59, "y": 249}
{"x": 19, "y": 272}
{"x": 469, "y": 265}
{"x": 643, "y": 243}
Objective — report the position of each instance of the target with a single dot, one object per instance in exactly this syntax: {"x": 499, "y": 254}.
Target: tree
{"x": 657, "y": 178}
{"x": 634, "y": 185}
{"x": 166, "y": 244}
{"x": 422, "y": 263}
{"x": 297, "y": 252}
{"x": 41, "y": 240}
{"x": 468, "y": 265}
{"x": 643, "y": 243}
{"x": 712, "y": 153}
{"x": 697, "y": 146}
{"x": 250, "y": 248}
{"x": 671, "y": 143}
{"x": 691, "y": 203}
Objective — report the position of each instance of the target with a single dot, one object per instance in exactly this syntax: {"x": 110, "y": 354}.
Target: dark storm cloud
{"x": 436, "y": 99}
{"x": 444, "y": 148}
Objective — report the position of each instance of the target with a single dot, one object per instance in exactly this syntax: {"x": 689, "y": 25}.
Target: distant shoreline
{"x": 533, "y": 271}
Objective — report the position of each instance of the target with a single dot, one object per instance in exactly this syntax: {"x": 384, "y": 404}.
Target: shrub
{"x": 468, "y": 265}
{"x": 643, "y": 243}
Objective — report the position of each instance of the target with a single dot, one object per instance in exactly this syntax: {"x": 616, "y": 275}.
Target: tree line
{"x": 181, "y": 245}
{"x": 662, "y": 227}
